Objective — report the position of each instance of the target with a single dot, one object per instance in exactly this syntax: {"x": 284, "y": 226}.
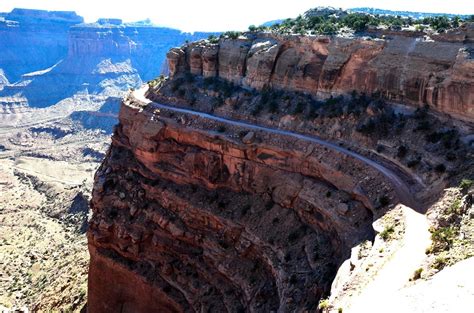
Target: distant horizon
{"x": 190, "y": 16}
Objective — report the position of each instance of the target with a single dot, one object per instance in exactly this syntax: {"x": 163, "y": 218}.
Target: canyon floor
{"x": 47, "y": 163}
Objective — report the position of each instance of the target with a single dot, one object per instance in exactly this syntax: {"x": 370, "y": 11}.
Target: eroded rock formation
{"x": 402, "y": 67}
{"x": 231, "y": 213}
{"x": 200, "y": 220}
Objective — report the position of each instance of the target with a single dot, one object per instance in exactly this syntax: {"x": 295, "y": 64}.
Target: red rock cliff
{"x": 413, "y": 70}
{"x": 189, "y": 219}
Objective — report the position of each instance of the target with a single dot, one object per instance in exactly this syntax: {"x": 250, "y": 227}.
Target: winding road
{"x": 394, "y": 275}
{"x": 400, "y": 186}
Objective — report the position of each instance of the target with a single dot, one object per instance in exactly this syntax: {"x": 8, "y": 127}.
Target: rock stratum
{"x": 251, "y": 220}
{"x": 200, "y": 221}
{"x": 403, "y": 67}
{"x": 200, "y": 208}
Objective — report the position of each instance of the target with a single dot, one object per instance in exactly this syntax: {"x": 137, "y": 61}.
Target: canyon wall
{"x": 237, "y": 220}
{"x": 401, "y": 66}
{"x": 201, "y": 209}
{"x": 50, "y": 56}
{"x": 32, "y": 40}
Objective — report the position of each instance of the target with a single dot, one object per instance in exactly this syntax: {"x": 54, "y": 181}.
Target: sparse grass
{"x": 323, "y": 304}
{"x": 417, "y": 274}
{"x": 387, "y": 233}
{"x": 466, "y": 184}
{"x": 442, "y": 238}
{"x": 440, "y": 262}
{"x": 455, "y": 207}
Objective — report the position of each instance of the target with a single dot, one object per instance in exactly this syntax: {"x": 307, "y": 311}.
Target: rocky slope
{"x": 401, "y": 67}
{"x": 238, "y": 191}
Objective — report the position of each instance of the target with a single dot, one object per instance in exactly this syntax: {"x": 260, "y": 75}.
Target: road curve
{"x": 400, "y": 187}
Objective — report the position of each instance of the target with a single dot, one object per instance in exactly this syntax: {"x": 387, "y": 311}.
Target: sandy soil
{"x": 46, "y": 178}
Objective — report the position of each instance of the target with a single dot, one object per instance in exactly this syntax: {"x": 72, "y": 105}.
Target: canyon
{"x": 145, "y": 169}
{"x": 254, "y": 176}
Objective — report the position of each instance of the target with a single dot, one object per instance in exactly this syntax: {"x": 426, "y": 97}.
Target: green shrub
{"x": 232, "y": 34}
{"x": 413, "y": 162}
{"x": 466, "y": 184}
{"x": 293, "y": 236}
{"x": 188, "y": 77}
{"x": 245, "y": 209}
{"x": 384, "y": 200}
{"x": 273, "y": 106}
{"x": 209, "y": 81}
{"x": 367, "y": 128}
{"x": 440, "y": 168}
{"x": 299, "y": 108}
{"x": 387, "y": 232}
{"x": 213, "y": 39}
{"x": 454, "y": 207}
{"x": 402, "y": 151}
{"x": 442, "y": 238}
{"x": 181, "y": 92}
{"x": 257, "y": 109}
{"x": 417, "y": 274}
{"x": 323, "y": 304}
{"x": 440, "y": 262}
{"x": 423, "y": 126}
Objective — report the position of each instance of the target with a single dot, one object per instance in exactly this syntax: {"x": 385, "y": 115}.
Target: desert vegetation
{"x": 331, "y": 22}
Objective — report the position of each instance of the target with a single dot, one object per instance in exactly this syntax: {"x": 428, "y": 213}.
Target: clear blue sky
{"x": 216, "y": 15}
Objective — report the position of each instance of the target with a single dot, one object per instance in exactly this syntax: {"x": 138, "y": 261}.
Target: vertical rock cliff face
{"x": 194, "y": 212}
{"x": 49, "y": 56}
{"x": 32, "y": 40}
{"x": 187, "y": 219}
{"x": 403, "y": 68}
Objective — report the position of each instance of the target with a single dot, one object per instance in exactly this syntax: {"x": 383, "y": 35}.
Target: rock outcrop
{"x": 399, "y": 66}
{"x": 229, "y": 221}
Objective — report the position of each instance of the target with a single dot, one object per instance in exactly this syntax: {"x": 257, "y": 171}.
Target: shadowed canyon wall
{"x": 49, "y": 56}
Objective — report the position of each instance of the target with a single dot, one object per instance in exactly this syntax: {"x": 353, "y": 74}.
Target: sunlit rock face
{"x": 402, "y": 67}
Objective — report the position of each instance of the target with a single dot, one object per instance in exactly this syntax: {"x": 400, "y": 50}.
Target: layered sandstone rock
{"x": 409, "y": 69}
{"x": 189, "y": 219}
